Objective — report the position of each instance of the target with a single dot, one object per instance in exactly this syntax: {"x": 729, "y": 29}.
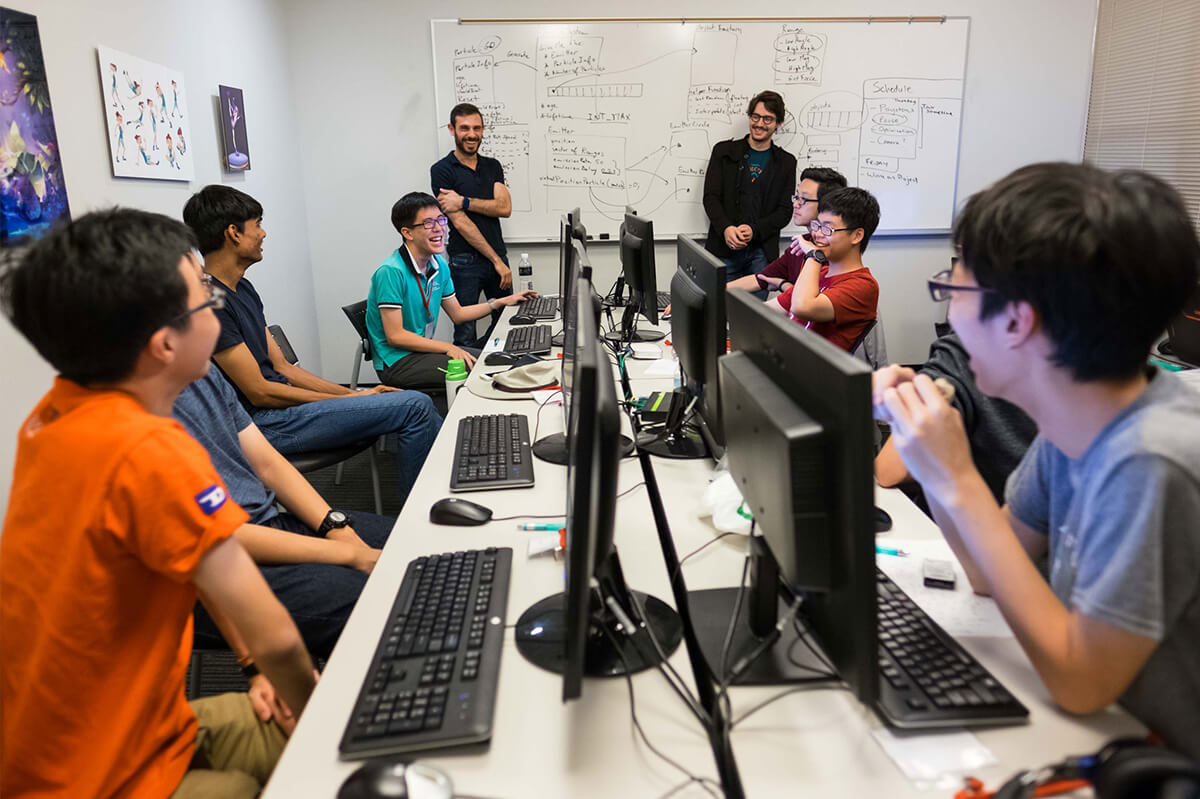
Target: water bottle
{"x": 456, "y": 378}
{"x": 525, "y": 273}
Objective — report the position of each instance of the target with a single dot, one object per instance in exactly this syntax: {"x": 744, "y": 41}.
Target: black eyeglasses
{"x": 801, "y": 200}
{"x": 824, "y": 228}
{"x": 763, "y": 119}
{"x": 432, "y": 223}
{"x": 940, "y": 286}
{"x": 216, "y": 299}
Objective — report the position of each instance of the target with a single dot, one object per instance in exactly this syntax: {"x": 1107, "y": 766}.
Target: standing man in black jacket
{"x": 748, "y": 192}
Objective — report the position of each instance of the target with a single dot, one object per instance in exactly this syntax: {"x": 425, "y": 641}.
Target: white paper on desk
{"x": 663, "y": 367}
{"x": 493, "y": 345}
{"x": 935, "y": 759}
{"x": 961, "y": 611}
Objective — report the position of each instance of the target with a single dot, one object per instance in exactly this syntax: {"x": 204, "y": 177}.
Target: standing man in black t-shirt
{"x": 471, "y": 192}
{"x": 747, "y": 191}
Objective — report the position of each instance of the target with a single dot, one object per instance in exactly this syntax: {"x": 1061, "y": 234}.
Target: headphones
{"x": 1127, "y": 768}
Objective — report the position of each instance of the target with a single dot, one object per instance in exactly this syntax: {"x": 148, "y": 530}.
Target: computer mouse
{"x": 453, "y": 510}
{"x": 521, "y": 319}
{"x": 883, "y": 521}
{"x": 498, "y": 359}
{"x": 381, "y": 780}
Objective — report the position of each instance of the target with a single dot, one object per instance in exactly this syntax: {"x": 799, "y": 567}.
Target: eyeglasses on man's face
{"x": 216, "y": 298}
{"x": 432, "y": 223}
{"x": 941, "y": 287}
{"x": 800, "y": 200}
{"x": 824, "y": 228}
{"x": 763, "y": 119}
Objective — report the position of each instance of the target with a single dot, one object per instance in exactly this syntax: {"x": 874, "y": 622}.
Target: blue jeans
{"x": 340, "y": 421}
{"x": 749, "y": 261}
{"x": 319, "y": 596}
{"x": 472, "y": 274}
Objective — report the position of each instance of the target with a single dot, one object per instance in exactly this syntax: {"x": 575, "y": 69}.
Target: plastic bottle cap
{"x": 456, "y": 369}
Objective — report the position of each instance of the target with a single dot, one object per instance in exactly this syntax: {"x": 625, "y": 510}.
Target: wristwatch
{"x": 466, "y": 203}
{"x": 334, "y": 520}
{"x": 491, "y": 304}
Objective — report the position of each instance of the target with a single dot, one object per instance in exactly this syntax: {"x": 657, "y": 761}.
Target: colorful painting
{"x": 33, "y": 195}
{"x": 233, "y": 129}
{"x": 145, "y": 112}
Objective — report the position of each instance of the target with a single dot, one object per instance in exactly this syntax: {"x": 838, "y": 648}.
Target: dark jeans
{"x": 341, "y": 420}
{"x": 319, "y": 596}
{"x": 472, "y": 274}
{"x": 749, "y": 261}
{"x": 420, "y": 370}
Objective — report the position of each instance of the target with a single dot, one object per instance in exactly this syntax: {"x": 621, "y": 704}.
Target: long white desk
{"x": 819, "y": 742}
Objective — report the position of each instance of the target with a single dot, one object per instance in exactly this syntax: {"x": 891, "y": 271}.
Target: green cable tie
{"x": 744, "y": 514}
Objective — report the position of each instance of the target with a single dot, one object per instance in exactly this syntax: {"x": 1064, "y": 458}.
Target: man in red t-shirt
{"x": 116, "y": 523}
{"x": 780, "y": 274}
{"x": 837, "y": 300}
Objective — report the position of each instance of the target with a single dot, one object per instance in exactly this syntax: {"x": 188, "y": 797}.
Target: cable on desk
{"x": 811, "y": 685}
{"x": 631, "y": 489}
{"x": 664, "y": 665}
{"x": 526, "y": 516}
{"x": 697, "y": 551}
{"x": 538, "y": 419}
{"x": 704, "y": 782}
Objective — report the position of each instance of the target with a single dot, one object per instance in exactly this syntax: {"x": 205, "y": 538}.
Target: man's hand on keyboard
{"x": 520, "y": 296}
{"x": 459, "y": 352}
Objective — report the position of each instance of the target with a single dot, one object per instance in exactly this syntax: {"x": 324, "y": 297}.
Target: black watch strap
{"x": 334, "y": 520}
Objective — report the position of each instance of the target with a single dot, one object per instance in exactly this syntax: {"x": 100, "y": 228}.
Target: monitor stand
{"x": 789, "y": 659}
{"x": 628, "y": 332}
{"x": 553, "y": 448}
{"x": 610, "y": 650}
{"x": 683, "y": 444}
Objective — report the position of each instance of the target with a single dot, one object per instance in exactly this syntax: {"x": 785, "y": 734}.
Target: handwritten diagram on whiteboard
{"x": 608, "y": 115}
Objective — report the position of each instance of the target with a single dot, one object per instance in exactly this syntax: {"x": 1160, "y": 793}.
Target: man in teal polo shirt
{"x": 407, "y": 291}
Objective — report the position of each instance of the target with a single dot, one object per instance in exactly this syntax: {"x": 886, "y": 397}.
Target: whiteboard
{"x": 602, "y": 115}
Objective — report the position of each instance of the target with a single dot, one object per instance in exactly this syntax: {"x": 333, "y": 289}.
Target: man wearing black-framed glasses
{"x": 747, "y": 191}
{"x": 1067, "y": 276}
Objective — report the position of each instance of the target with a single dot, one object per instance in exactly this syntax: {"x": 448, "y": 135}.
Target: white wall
{"x": 235, "y": 42}
{"x": 367, "y": 130}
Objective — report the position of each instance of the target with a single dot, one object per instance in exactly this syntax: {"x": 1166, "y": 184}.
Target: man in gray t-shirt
{"x": 1066, "y": 277}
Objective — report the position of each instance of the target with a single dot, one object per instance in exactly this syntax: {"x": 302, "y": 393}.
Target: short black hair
{"x": 89, "y": 295}
{"x": 1104, "y": 258}
{"x": 826, "y": 179}
{"x": 772, "y": 100}
{"x": 463, "y": 110}
{"x": 857, "y": 207}
{"x": 405, "y": 211}
{"x": 210, "y": 211}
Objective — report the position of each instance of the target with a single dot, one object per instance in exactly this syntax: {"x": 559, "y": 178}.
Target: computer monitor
{"x": 798, "y": 428}
{"x": 637, "y": 268}
{"x": 584, "y": 630}
{"x": 552, "y": 448}
{"x": 699, "y": 338}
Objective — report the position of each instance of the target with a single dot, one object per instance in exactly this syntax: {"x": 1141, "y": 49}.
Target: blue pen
{"x": 900, "y": 553}
{"x": 540, "y": 527}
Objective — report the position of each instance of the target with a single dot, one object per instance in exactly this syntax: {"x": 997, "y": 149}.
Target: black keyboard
{"x": 926, "y": 680}
{"x": 432, "y": 682}
{"x": 540, "y": 307}
{"x": 528, "y": 339}
{"x": 492, "y": 452}
{"x": 663, "y": 298}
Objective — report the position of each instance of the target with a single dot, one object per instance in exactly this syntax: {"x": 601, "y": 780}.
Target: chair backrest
{"x": 356, "y": 312}
{"x": 285, "y": 346}
{"x": 870, "y": 348}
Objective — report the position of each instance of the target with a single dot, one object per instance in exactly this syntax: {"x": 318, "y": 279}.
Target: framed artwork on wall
{"x": 145, "y": 113}
{"x": 233, "y": 129}
{"x": 33, "y": 195}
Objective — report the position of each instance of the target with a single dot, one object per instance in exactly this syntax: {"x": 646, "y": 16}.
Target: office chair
{"x": 356, "y": 312}
{"x": 320, "y": 458}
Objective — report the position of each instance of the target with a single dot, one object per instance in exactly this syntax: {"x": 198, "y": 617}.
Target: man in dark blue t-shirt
{"x": 470, "y": 189}
{"x": 296, "y": 410}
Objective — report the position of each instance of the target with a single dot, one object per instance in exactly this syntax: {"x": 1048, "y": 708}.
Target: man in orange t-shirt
{"x": 840, "y": 300}
{"x": 117, "y": 521}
